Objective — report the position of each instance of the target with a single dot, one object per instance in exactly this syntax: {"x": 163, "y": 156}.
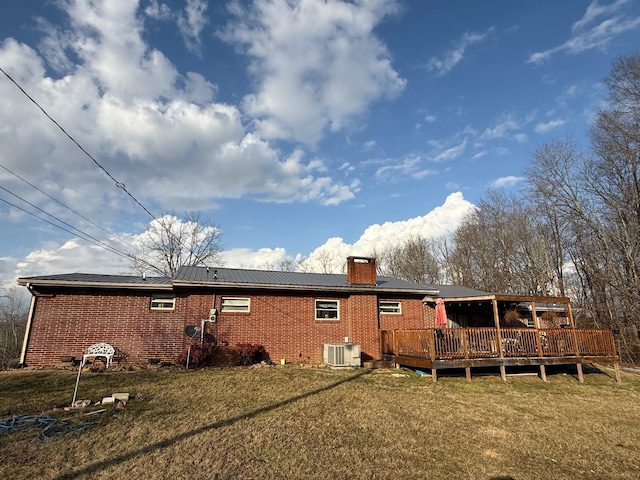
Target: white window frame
{"x": 388, "y": 309}
{"x": 235, "y": 305}
{"x": 327, "y": 310}
{"x": 162, "y": 302}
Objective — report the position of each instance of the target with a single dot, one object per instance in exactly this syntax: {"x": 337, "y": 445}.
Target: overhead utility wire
{"x": 79, "y": 232}
{"x": 107, "y": 247}
{"x": 66, "y": 206}
{"x": 117, "y": 183}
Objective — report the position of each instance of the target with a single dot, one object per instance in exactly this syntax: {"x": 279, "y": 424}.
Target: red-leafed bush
{"x": 212, "y": 355}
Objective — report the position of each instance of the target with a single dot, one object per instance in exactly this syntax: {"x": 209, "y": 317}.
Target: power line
{"x": 117, "y": 183}
{"x": 76, "y": 233}
{"x": 64, "y": 205}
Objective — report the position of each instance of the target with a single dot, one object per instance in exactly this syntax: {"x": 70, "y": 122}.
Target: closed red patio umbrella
{"x": 441, "y": 314}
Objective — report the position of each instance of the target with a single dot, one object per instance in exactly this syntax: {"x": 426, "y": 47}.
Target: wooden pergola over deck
{"x": 498, "y": 345}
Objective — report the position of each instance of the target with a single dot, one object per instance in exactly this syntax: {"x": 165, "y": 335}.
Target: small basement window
{"x": 327, "y": 310}
{"x": 163, "y": 302}
{"x": 235, "y": 304}
{"x": 390, "y": 307}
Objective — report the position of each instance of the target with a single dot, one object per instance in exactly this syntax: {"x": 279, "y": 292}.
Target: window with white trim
{"x": 163, "y": 302}
{"x": 235, "y": 304}
{"x": 327, "y": 310}
{"x": 389, "y": 307}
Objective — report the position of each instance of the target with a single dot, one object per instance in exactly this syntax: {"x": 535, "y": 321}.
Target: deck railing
{"x": 470, "y": 343}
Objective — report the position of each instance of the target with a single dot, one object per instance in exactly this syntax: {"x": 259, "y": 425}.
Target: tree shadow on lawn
{"x": 96, "y": 467}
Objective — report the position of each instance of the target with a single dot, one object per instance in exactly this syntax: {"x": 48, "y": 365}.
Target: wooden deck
{"x": 489, "y": 347}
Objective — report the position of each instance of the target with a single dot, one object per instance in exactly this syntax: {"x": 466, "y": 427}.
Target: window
{"x": 327, "y": 310}
{"x": 163, "y": 302}
{"x": 390, "y": 307}
{"x": 235, "y": 304}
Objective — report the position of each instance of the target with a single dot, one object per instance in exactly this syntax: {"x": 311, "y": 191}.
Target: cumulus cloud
{"x": 444, "y": 64}
{"x": 191, "y": 23}
{"x": 599, "y": 25}
{"x": 159, "y": 131}
{"x": 318, "y": 65}
{"x": 331, "y": 256}
{"x": 76, "y": 255}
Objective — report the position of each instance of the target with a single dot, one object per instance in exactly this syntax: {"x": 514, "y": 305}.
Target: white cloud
{"x": 398, "y": 169}
{"x": 544, "y": 127}
{"x": 78, "y": 256}
{"x": 595, "y": 10}
{"x": 443, "y": 65}
{"x": 450, "y": 153}
{"x": 440, "y": 221}
{"x": 159, "y": 131}
{"x": 191, "y": 23}
{"x": 521, "y": 137}
{"x": 318, "y": 65}
{"x": 262, "y": 259}
{"x": 588, "y": 37}
{"x": 430, "y": 118}
{"x": 503, "y": 182}
{"x": 500, "y": 130}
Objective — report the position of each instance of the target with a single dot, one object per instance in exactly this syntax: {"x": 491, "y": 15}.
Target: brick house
{"x": 291, "y": 314}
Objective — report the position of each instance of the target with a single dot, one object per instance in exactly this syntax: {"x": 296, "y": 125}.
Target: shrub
{"x": 250, "y": 354}
{"x": 212, "y": 355}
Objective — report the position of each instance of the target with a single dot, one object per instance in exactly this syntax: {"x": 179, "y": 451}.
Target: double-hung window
{"x": 327, "y": 310}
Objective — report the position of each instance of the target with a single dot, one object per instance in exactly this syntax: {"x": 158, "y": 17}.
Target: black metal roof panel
{"x": 265, "y": 278}
{"x": 95, "y": 278}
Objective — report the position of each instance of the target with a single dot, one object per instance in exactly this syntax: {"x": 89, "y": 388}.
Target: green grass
{"x": 318, "y": 423}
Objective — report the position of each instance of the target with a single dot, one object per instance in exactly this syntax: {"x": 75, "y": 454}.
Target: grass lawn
{"x": 299, "y": 423}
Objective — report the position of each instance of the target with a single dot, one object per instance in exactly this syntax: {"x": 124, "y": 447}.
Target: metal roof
{"x": 295, "y": 280}
{"x": 98, "y": 280}
{"x": 221, "y": 277}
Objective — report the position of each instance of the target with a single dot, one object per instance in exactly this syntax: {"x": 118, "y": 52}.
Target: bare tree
{"x": 171, "y": 242}
{"x": 13, "y": 319}
{"x": 413, "y": 259}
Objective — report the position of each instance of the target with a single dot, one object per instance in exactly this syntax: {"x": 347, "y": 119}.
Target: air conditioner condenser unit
{"x": 341, "y": 354}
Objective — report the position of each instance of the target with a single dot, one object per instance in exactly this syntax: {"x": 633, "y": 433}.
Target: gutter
{"x": 114, "y": 285}
{"x": 27, "y": 330}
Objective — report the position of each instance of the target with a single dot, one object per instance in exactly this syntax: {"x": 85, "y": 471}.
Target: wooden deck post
{"x": 432, "y": 348}
{"x": 536, "y": 324}
{"x": 575, "y": 341}
{"x": 496, "y": 321}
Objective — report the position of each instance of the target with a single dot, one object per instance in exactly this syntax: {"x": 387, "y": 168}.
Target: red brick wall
{"x": 283, "y": 323}
{"x": 412, "y": 316}
{"x": 66, "y": 324}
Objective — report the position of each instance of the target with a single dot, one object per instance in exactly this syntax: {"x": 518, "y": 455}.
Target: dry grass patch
{"x": 316, "y": 423}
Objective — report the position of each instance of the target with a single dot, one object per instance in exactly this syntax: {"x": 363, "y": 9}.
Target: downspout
{"x": 27, "y": 330}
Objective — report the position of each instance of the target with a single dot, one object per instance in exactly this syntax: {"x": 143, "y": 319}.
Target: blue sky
{"x": 298, "y": 127}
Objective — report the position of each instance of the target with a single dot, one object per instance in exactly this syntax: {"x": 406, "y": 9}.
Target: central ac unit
{"x": 341, "y": 354}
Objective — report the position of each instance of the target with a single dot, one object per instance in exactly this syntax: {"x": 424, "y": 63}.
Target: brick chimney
{"x": 361, "y": 270}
